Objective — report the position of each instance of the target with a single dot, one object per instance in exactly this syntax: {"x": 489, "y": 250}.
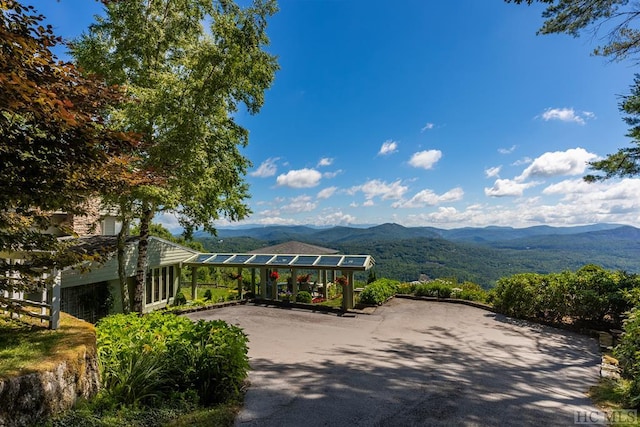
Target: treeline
{"x": 408, "y": 259}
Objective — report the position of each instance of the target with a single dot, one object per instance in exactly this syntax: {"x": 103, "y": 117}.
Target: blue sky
{"x": 426, "y": 113}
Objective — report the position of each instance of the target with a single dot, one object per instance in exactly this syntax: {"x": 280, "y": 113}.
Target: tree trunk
{"x": 122, "y": 273}
{"x": 141, "y": 267}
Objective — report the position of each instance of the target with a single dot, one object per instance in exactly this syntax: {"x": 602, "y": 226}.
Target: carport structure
{"x": 327, "y": 267}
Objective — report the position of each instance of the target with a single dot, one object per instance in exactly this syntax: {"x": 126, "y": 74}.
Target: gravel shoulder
{"x": 410, "y": 363}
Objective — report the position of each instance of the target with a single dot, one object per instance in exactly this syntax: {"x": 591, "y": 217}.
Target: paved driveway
{"x": 411, "y": 363}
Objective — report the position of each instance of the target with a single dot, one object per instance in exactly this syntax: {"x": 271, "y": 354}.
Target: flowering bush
{"x": 274, "y": 275}
{"x": 342, "y": 281}
{"x": 235, "y": 276}
{"x": 304, "y": 278}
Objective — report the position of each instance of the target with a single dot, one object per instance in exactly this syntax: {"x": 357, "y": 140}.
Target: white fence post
{"x": 54, "y": 319}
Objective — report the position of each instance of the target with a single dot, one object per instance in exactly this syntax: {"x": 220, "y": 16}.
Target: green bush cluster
{"x": 590, "y": 295}
{"x": 470, "y": 291}
{"x": 437, "y": 288}
{"x": 628, "y": 350}
{"x": 377, "y": 292}
{"x": 147, "y": 358}
{"x": 304, "y": 297}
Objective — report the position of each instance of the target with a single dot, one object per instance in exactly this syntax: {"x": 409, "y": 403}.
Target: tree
{"x": 55, "y": 149}
{"x": 616, "y": 18}
{"x": 186, "y": 83}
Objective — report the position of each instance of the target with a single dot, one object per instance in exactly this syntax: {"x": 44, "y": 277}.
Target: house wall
{"x": 160, "y": 254}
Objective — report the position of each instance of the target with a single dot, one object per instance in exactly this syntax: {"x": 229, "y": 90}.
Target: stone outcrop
{"x": 30, "y": 399}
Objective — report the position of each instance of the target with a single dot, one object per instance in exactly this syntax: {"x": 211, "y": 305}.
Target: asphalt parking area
{"x": 411, "y": 363}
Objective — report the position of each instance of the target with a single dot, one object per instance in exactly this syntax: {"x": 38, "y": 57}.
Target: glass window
{"x": 149, "y": 289}
{"x": 156, "y": 285}
{"x": 306, "y": 260}
{"x": 163, "y": 284}
{"x": 240, "y": 259}
{"x": 329, "y": 261}
{"x": 170, "y": 282}
{"x": 282, "y": 259}
{"x": 354, "y": 261}
{"x": 220, "y": 258}
{"x": 261, "y": 259}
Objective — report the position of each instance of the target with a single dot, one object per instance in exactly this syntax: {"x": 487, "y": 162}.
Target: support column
{"x": 294, "y": 284}
{"x": 325, "y": 282}
{"x": 54, "y": 319}
{"x": 263, "y": 283}
{"x": 274, "y": 289}
{"x": 194, "y": 282}
{"x": 240, "y": 283}
{"x": 253, "y": 282}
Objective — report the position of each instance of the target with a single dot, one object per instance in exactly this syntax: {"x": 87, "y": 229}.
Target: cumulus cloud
{"x": 567, "y": 115}
{"x": 267, "y": 168}
{"x": 427, "y": 127}
{"x": 557, "y": 163}
{"x": 493, "y": 172}
{"x": 430, "y": 198}
{"x": 299, "y": 204}
{"x": 523, "y": 161}
{"x": 388, "y": 147}
{"x": 325, "y": 161}
{"x": 382, "y": 189}
{"x": 425, "y": 159}
{"x": 301, "y": 178}
{"x": 334, "y": 218}
{"x": 507, "y": 187}
{"x": 326, "y": 192}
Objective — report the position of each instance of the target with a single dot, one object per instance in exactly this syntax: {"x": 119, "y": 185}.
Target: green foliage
{"x": 304, "y": 297}
{"x": 207, "y": 295}
{"x": 379, "y": 291}
{"x": 143, "y": 358}
{"x": 179, "y": 299}
{"x": 471, "y": 292}
{"x": 437, "y": 288}
{"x": 591, "y": 294}
{"x": 406, "y": 288}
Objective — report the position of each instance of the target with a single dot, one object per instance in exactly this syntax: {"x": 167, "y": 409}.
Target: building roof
{"x": 294, "y": 247}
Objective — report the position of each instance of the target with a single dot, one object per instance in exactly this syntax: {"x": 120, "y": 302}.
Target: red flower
{"x": 274, "y": 275}
{"x": 304, "y": 278}
{"x": 342, "y": 280}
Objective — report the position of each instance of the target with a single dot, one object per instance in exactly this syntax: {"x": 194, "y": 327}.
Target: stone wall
{"x": 30, "y": 399}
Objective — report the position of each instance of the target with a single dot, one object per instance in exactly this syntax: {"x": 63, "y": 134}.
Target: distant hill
{"x": 481, "y": 255}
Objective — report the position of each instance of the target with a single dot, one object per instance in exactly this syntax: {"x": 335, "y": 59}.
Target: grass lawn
{"x": 27, "y": 346}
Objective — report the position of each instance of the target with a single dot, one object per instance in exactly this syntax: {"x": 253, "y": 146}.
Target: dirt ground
{"x": 410, "y": 363}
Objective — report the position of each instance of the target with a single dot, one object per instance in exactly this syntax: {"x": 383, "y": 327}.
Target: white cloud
{"x": 523, "y": 161}
{"x": 425, "y": 159}
{"x": 388, "y": 147}
{"x": 558, "y": 163}
{"x": 368, "y": 203}
{"x": 326, "y": 192}
{"x": 493, "y": 172}
{"x": 169, "y": 221}
{"x": 507, "y": 187}
{"x": 301, "y": 178}
{"x": 427, "y": 126}
{"x": 267, "y": 168}
{"x": 377, "y": 188}
{"x": 299, "y": 204}
{"x": 334, "y": 218}
{"x": 429, "y": 198}
{"x": 330, "y": 175}
{"x": 507, "y": 150}
{"x": 325, "y": 161}
{"x": 567, "y": 115}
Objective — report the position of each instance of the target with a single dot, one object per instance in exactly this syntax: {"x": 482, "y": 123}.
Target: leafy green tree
{"x": 55, "y": 149}
{"x": 620, "y": 16}
{"x": 188, "y": 66}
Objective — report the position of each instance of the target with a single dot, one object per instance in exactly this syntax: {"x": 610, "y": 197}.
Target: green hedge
{"x": 590, "y": 295}
{"x": 437, "y": 288}
{"x": 377, "y": 292}
{"x": 146, "y": 358}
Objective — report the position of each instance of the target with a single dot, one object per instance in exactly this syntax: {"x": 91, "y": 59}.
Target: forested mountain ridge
{"x": 481, "y": 255}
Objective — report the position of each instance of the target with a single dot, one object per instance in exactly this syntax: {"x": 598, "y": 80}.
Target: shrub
{"x": 437, "y": 288}
{"x": 143, "y": 358}
{"x": 379, "y": 291}
{"x": 516, "y": 295}
{"x": 304, "y": 297}
{"x": 179, "y": 299}
{"x": 472, "y": 292}
{"x": 406, "y": 288}
{"x": 207, "y": 295}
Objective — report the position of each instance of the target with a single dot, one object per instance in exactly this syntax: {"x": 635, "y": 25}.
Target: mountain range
{"x": 480, "y": 255}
